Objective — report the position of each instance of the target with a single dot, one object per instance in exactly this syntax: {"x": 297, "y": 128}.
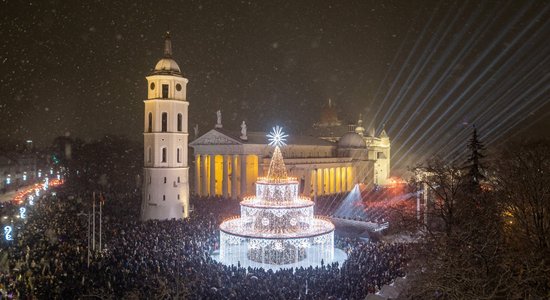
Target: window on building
{"x": 149, "y": 197}
{"x": 150, "y": 123}
{"x": 178, "y": 155}
{"x": 178, "y": 179}
{"x": 164, "y": 122}
{"x": 164, "y": 91}
{"x": 178, "y": 196}
{"x": 164, "y": 154}
{"x": 149, "y": 155}
{"x": 164, "y": 179}
{"x": 163, "y": 197}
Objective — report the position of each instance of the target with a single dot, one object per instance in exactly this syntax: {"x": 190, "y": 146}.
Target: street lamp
{"x": 89, "y": 224}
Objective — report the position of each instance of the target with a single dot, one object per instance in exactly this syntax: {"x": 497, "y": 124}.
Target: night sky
{"x": 427, "y": 69}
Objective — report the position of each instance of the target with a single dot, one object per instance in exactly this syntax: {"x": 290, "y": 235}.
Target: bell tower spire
{"x": 167, "y": 45}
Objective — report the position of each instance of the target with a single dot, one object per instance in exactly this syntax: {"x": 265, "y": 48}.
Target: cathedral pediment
{"x": 214, "y": 137}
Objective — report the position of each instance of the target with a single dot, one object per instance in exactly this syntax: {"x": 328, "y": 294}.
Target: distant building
{"x": 228, "y": 163}
{"x": 20, "y": 169}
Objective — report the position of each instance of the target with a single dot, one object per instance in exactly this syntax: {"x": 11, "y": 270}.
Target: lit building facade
{"x": 19, "y": 169}
{"x": 165, "y": 142}
{"x": 228, "y": 163}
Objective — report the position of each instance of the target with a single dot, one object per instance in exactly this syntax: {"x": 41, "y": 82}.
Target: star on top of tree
{"x": 277, "y": 137}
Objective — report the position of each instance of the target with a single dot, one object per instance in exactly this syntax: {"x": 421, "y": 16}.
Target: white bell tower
{"x": 165, "y": 137}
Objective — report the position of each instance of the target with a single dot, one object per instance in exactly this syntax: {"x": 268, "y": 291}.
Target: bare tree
{"x": 446, "y": 183}
{"x": 523, "y": 180}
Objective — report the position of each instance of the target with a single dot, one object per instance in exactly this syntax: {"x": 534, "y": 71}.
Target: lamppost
{"x": 422, "y": 176}
{"x": 89, "y": 227}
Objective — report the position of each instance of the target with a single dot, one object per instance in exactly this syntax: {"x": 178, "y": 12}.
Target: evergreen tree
{"x": 474, "y": 164}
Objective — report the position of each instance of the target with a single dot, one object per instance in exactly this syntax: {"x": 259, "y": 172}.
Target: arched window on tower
{"x": 164, "y": 154}
{"x": 180, "y": 119}
{"x": 180, "y": 122}
{"x": 164, "y": 122}
{"x": 150, "y": 123}
{"x": 164, "y": 91}
{"x": 178, "y": 156}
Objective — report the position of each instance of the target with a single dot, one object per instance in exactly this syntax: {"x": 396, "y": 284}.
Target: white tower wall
{"x": 165, "y": 142}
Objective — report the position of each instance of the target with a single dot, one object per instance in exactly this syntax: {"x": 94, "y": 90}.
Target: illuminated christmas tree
{"x": 277, "y": 168}
{"x": 277, "y": 226}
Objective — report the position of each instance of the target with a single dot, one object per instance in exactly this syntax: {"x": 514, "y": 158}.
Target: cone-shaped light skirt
{"x": 277, "y": 169}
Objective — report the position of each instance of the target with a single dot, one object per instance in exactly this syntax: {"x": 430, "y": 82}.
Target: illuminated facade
{"x": 165, "y": 139}
{"x": 20, "y": 169}
{"x": 228, "y": 165}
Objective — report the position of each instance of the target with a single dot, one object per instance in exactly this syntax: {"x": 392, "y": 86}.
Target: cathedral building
{"x": 227, "y": 163}
{"x": 165, "y": 142}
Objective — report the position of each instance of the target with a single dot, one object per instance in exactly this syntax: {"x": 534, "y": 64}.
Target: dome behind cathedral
{"x": 329, "y": 116}
{"x": 351, "y": 140}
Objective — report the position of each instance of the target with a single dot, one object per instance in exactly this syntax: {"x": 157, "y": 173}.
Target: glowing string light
{"x": 7, "y": 233}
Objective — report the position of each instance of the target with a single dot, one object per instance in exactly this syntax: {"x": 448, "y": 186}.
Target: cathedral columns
{"x": 260, "y": 166}
{"x": 344, "y": 179}
{"x": 354, "y": 180}
{"x": 327, "y": 181}
{"x": 314, "y": 185}
{"x": 197, "y": 174}
{"x": 204, "y": 183}
{"x": 234, "y": 181}
{"x": 212, "y": 175}
{"x": 225, "y": 177}
{"x": 338, "y": 179}
{"x": 307, "y": 182}
{"x": 333, "y": 180}
{"x": 243, "y": 175}
{"x": 322, "y": 181}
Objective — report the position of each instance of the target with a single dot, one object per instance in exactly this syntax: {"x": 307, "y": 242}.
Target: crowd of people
{"x": 48, "y": 257}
